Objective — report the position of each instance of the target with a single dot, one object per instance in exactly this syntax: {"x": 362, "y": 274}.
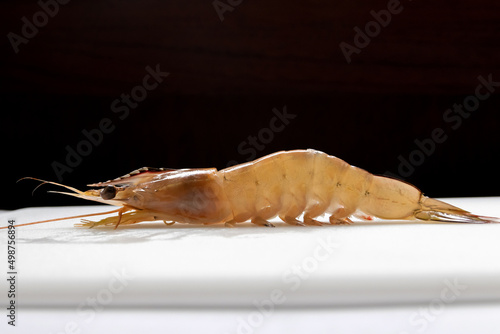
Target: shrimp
{"x": 287, "y": 184}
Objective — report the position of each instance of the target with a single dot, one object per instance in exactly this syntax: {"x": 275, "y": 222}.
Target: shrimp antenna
{"x": 64, "y": 218}
{"x": 76, "y": 192}
{"x": 54, "y": 183}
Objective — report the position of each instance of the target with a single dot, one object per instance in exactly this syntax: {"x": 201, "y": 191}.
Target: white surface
{"x": 369, "y": 264}
{"x": 463, "y": 319}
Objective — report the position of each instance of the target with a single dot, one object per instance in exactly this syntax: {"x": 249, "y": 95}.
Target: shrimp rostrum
{"x": 303, "y": 184}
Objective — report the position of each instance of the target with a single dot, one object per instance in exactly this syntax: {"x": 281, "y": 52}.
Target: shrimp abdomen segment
{"x": 389, "y": 198}
{"x": 344, "y": 185}
{"x": 274, "y": 185}
{"x": 297, "y": 174}
{"x": 239, "y": 186}
{"x": 269, "y": 186}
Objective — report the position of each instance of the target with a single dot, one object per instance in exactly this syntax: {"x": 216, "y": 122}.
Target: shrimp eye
{"x": 109, "y": 192}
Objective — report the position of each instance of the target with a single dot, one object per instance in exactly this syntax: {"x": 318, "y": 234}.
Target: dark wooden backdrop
{"x": 226, "y": 77}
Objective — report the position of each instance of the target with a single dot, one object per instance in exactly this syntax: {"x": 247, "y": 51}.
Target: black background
{"x": 227, "y": 76}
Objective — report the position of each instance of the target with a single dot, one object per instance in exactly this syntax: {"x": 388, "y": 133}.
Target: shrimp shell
{"x": 287, "y": 184}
